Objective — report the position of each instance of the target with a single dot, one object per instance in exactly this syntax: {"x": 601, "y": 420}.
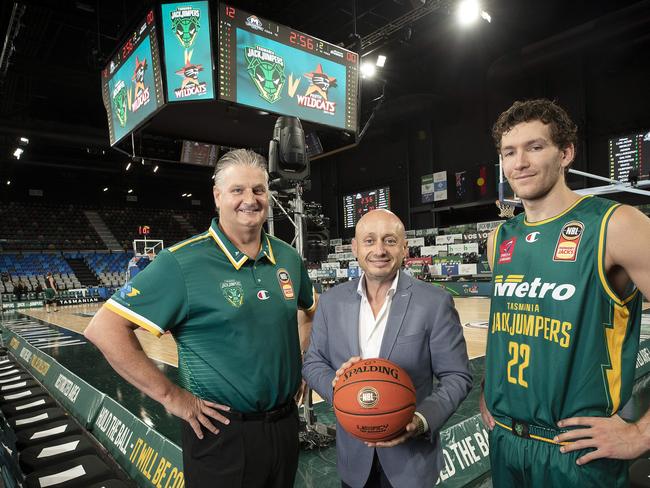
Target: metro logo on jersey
{"x": 506, "y": 250}
{"x": 514, "y": 285}
{"x": 567, "y": 244}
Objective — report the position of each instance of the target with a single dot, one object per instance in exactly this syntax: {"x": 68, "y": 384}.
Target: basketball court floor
{"x": 59, "y": 334}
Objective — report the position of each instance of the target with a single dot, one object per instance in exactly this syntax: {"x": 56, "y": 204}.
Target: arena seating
{"x": 36, "y": 226}
{"x": 124, "y": 223}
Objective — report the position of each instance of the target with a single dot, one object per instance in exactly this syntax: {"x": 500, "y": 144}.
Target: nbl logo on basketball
{"x": 368, "y": 397}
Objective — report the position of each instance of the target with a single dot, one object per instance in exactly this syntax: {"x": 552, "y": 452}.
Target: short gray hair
{"x": 239, "y": 157}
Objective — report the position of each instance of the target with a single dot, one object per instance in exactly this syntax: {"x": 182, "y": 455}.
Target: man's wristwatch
{"x": 419, "y": 426}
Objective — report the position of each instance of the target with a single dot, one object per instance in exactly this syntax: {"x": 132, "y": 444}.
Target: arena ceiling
{"x": 50, "y": 87}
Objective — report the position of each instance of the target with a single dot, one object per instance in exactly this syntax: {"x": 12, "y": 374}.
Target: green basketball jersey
{"x": 561, "y": 342}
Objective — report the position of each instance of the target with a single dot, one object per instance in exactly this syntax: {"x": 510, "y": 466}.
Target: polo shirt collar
{"x": 234, "y": 255}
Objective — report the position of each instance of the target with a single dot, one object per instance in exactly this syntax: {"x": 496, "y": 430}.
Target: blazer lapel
{"x": 351, "y": 321}
{"x": 396, "y": 315}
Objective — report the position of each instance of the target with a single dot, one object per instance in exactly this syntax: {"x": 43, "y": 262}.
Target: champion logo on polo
{"x": 263, "y": 295}
{"x": 233, "y": 291}
{"x": 532, "y": 237}
{"x": 285, "y": 283}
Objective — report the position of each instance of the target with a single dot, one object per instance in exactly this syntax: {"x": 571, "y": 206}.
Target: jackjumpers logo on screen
{"x": 186, "y": 24}
{"x": 266, "y": 69}
{"x": 316, "y": 95}
{"x": 119, "y": 100}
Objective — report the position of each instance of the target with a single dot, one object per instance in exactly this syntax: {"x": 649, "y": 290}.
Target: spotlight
{"x": 184, "y": 195}
{"x": 468, "y": 12}
{"x": 368, "y": 70}
{"x": 381, "y": 61}
{"x": 189, "y": 195}
{"x": 128, "y": 166}
{"x": 130, "y": 190}
{"x": 155, "y": 170}
{"x": 18, "y": 152}
{"x": 486, "y": 17}
{"x": 24, "y": 140}
{"x": 8, "y": 182}
{"x": 105, "y": 188}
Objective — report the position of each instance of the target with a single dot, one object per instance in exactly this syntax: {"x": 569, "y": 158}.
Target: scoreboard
{"x": 276, "y": 69}
{"x": 357, "y": 205}
{"x": 132, "y": 86}
{"x": 629, "y": 154}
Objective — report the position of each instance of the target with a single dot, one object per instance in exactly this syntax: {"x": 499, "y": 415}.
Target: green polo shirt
{"x": 233, "y": 318}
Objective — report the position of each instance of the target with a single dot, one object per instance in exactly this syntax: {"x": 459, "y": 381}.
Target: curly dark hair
{"x": 563, "y": 129}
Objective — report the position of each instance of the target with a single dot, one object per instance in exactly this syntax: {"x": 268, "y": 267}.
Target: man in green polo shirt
{"x": 230, "y": 298}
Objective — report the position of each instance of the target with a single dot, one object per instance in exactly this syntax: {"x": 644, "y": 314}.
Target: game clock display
{"x": 357, "y": 205}
{"x": 132, "y": 86}
{"x": 277, "y": 69}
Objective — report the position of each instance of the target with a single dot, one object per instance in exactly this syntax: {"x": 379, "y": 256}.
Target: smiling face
{"x": 242, "y": 198}
{"x": 532, "y": 163}
{"x": 379, "y": 245}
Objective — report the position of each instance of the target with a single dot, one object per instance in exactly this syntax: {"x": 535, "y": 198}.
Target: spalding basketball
{"x": 374, "y": 399}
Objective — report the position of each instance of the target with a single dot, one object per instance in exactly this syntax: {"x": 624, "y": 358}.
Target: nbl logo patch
{"x": 368, "y": 397}
{"x": 506, "y": 250}
{"x": 568, "y": 242}
{"x": 285, "y": 284}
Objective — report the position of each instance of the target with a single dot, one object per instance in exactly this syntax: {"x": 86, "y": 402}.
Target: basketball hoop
{"x": 506, "y": 210}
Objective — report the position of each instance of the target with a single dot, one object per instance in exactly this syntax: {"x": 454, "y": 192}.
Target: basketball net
{"x": 506, "y": 210}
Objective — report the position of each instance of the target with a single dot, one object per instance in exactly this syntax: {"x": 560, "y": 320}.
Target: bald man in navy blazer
{"x": 390, "y": 315}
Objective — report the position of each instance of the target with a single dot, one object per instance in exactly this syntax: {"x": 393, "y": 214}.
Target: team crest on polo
{"x": 233, "y": 292}
{"x": 285, "y": 284}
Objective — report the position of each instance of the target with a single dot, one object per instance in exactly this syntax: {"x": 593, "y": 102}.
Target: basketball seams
{"x": 374, "y": 414}
{"x": 392, "y": 382}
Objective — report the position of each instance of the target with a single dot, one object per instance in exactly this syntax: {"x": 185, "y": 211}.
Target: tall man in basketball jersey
{"x": 564, "y": 319}
{"x": 230, "y": 297}
{"x": 388, "y": 314}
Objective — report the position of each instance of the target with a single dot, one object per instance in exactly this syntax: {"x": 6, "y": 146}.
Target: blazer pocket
{"x": 407, "y": 339}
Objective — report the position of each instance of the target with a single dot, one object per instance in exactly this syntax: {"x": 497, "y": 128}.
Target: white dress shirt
{"x": 371, "y": 328}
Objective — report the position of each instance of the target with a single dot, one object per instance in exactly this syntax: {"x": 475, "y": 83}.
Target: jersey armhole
{"x": 494, "y": 246}
{"x": 602, "y": 246}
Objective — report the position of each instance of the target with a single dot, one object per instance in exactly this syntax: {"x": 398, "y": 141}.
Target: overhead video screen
{"x": 629, "y": 154}
{"x": 132, "y": 86}
{"x": 357, "y": 205}
{"x": 188, "y": 51}
{"x": 277, "y": 69}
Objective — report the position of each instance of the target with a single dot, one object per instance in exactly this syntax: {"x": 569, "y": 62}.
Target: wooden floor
{"x": 163, "y": 349}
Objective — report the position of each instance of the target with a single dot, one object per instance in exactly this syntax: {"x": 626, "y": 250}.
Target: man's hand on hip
{"x": 195, "y": 411}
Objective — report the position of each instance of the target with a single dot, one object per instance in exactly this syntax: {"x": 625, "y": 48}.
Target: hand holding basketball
{"x": 374, "y": 401}
{"x": 344, "y": 366}
{"x": 411, "y": 431}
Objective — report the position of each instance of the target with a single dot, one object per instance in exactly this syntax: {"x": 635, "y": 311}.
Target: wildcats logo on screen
{"x": 188, "y": 54}
{"x": 568, "y": 241}
{"x": 129, "y": 97}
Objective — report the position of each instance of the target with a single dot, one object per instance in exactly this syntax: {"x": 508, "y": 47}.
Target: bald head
{"x": 381, "y": 217}
{"x": 379, "y": 244}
